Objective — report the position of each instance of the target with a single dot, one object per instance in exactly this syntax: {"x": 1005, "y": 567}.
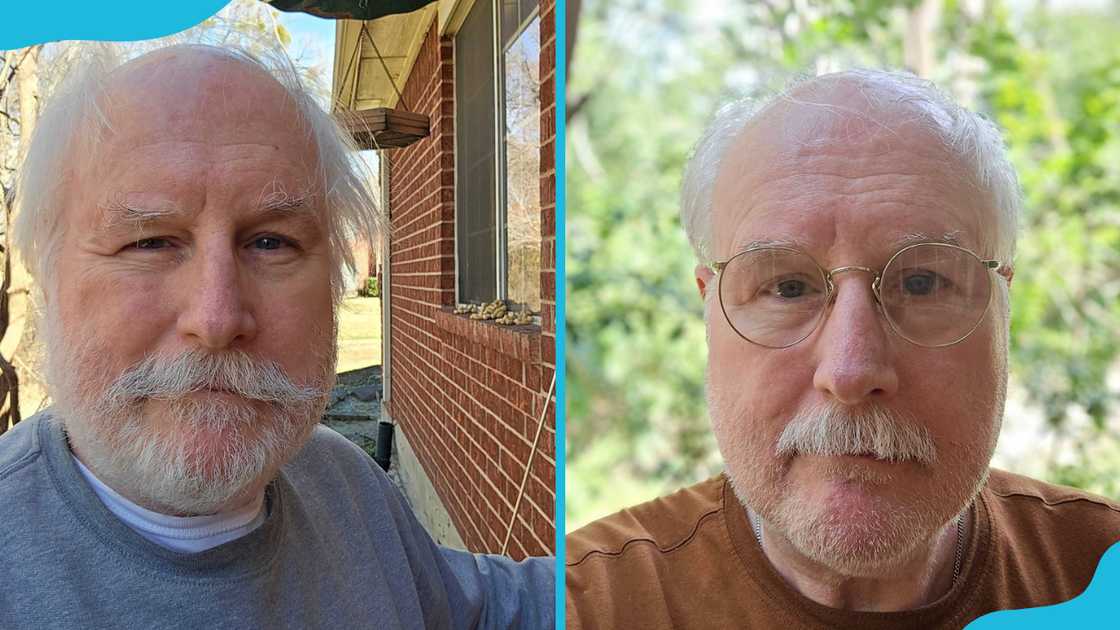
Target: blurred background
{"x": 646, "y": 75}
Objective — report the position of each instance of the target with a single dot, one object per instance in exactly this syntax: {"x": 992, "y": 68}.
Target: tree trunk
{"x": 16, "y": 336}
{"x": 920, "y": 46}
{"x": 9, "y": 378}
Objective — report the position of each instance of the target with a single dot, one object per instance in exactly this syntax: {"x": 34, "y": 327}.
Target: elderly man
{"x": 186, "y": 217}
{"x": 856, "y": 238}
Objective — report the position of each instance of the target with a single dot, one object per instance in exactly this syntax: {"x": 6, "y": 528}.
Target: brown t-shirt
{"x": 690, "y": 560}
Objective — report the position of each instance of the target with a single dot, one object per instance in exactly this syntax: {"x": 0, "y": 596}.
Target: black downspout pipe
{"x": 384, "y": 444}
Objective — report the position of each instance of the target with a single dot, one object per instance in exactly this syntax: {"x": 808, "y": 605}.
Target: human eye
{"x": 273, "y": 248}
{"x": 922, "y": 282}
{"x": 149, "y": 244}
{"x": 154, "y": 250}
{"x": 789, "y": 288}
{"x": 270, "y": 242}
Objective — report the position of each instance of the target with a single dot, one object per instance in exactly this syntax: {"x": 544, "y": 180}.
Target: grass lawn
{"x": 359, "y": 333}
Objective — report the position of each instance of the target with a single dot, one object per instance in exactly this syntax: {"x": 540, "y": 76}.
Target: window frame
{"x": 500, "y": 210}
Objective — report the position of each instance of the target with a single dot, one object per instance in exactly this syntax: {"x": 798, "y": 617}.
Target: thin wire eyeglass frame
{"x": 877, "y": 277}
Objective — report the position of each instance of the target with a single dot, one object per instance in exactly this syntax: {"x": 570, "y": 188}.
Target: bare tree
{"x": 19, "y": 111}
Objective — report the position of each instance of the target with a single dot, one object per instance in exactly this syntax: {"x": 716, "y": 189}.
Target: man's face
{"x": 193, "y": 237}
{"x": 850, "y": 192}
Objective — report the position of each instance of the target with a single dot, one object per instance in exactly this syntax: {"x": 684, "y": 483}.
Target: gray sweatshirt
{"x": 339, "y": 549}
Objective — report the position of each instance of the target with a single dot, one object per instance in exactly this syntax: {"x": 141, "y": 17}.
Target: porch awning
{"x": 366, "y": 68}
{"x": 350, "y": 9}
{"x": 376, "y": 44}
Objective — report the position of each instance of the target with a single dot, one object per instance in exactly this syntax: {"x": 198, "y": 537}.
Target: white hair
{"x": 75, "y": 110}
{"x": 974, "y": 139}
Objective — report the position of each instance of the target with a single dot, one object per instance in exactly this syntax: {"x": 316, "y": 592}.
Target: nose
{"x": 216, "y": 314}
{"x": 854, "y": 353}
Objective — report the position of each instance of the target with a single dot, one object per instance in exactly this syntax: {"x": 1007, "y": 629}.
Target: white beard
{"x": 168, "y": 465}
{"x": 170, "y": 474}
{"x": 884, "y": 536}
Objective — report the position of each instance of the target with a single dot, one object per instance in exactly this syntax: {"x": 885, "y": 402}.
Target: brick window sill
{"x": 520, "y": 342}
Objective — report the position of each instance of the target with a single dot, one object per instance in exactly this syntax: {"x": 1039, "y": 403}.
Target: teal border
{"x": 26, "y": 24}
{"x": 560, "y": 83}
{"x": 1095, "y": 608}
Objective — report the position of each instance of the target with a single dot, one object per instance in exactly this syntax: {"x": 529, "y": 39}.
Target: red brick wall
{"x": 548, "y": 205}
{"x": 469, "y": 394}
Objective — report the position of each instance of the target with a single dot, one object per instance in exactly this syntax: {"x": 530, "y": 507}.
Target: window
{"x": 497, "y": 148}
{"x": 475, "y": 171}
{"x": 522, "y": 115}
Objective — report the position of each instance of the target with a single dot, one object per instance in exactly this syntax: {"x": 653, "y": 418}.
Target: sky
{"x": 313, "y": 44}
{"x": 312, "y": 39}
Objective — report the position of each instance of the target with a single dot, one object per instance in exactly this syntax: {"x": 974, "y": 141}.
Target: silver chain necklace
{"x": 756, "y": 523}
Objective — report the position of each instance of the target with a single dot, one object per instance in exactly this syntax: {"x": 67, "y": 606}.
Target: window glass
{"x": 523, "y": 167}
{"x": 475, "y": 133}
{"x": 514, "y": 15}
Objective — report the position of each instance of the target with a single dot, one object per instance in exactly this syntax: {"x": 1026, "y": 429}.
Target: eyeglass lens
{"x": 931, "y": 294}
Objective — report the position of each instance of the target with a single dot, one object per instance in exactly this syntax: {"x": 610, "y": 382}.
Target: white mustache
{"x": 831, "y": 429}
{"x": 171, "y": 377}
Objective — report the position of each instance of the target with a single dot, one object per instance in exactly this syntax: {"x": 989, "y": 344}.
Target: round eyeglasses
{"x": 931, "y": 294}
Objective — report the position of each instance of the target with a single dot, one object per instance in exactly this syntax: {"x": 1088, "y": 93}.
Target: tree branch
{"x": 10, "y": 68}
{"x": 577, "y": 101}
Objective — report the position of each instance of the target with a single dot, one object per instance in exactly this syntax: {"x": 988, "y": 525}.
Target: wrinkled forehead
{"x": 837, "y": 110}
{"x": 831, "y": 154}
{"x": 172, "y": 110}
{"x": 193, "y": 86}
{"x": 193, "y": 94}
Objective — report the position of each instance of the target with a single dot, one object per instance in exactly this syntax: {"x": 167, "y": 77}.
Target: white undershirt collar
{"x": 184, "y": 534}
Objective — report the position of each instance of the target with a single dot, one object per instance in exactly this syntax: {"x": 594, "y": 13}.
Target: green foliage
{"x": 635, "y": 335}
{"x": 1059, "y": 104}
{"x": 636, "y": 353}
{"x": 370, "y": 288}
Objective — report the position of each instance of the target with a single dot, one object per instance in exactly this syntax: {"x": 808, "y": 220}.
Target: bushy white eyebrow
{"x": 951, "y": 238}
{"x": 779, "y": 242}
{"x": 118, "y": 211}
{"x": 275, "y": 198}
{"x": 276, "y": 203}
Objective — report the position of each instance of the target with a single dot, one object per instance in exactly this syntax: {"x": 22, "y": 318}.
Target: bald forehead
{"x": 188, "y": 62}
{"x": 841, "y": 113}
{"x": 193, "y": 85}
{"x": 192, "y": 94}
{"x": 188, "y": 124}
{"x": 835, "y": 127}
{"x": 833, "y": 143}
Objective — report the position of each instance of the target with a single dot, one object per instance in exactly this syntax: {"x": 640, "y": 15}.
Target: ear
{"x": 1007, "y": 272}
{"x": 704, "y": 277}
